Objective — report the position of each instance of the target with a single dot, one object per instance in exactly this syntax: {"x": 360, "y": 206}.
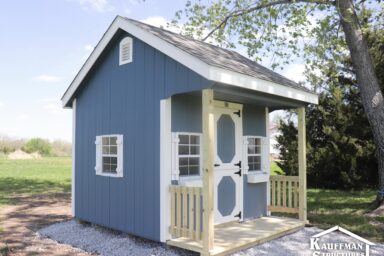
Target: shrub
{"x": 39, "y": 145}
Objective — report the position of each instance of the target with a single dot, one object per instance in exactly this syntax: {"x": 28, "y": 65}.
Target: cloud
{"x": 96, "y": 5}
{"x": 1, "y": 104}
{"x": 23, "y": 117}
{"x": 295, "y": 72}
{"x": 53, "y": 108}
{"x": 88, "y": 48}
{"x": 47, "y": 78}
{"x": 159, "y": 21}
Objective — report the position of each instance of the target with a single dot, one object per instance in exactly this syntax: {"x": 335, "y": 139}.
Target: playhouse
{"x": 170, "y": 142}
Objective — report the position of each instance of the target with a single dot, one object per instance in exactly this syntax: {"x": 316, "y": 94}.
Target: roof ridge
{"x": 178, "y": 34}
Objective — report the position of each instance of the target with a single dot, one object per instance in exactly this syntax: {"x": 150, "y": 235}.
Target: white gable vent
{"x": 125, "y": 51}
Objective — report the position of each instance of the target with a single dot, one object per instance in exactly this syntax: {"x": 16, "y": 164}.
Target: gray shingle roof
{"x": 219, "y": 57}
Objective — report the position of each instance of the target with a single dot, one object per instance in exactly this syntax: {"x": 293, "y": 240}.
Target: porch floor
{"x": 235, "y": 236}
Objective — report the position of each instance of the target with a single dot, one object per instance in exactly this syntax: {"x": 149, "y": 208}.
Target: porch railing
{"x": 186, "y": 212}
{"x": 284, "y": 194}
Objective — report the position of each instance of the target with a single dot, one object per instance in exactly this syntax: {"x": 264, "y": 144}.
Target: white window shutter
{"x": 265, "y": 154}
{"x": 98, "y": 167}
{"x": 120, "y": 156}
{"x": 175, "y": 158}
{"x": 125, "y": 51}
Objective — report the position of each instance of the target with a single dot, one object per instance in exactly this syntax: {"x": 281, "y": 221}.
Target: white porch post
{"x": 302, "y": 164}
{"x": 208, "y": 158}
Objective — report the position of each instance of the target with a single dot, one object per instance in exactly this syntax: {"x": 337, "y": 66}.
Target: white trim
{"x": 209, "y": 72}
{"x": 228, "y": 169}
{"x": 73, "y": 197}
{"x": 175, "y": 157}
{"x": 267, "y": 133}
{"x": 345, "y": 232}
{"x": 165, "y": 168}
{"x": 120, "y": 156}
{"x": 126, "y": 40}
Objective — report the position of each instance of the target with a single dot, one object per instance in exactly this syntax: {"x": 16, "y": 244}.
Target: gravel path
{"x": 106, "y": 242}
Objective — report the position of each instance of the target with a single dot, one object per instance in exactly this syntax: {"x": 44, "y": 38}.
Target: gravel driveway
{"x": 105, "y": 242}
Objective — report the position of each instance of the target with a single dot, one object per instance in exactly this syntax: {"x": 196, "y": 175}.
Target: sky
{"x": 43, "y": 45}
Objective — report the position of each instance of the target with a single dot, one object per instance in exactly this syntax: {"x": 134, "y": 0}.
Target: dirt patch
{"x": 19, "y": 154}
{"x": 19, "y": 223}
{"x": 378, "y": 212}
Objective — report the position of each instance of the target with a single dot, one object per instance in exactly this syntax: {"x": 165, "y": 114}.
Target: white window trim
{"x": 175, "y": 157}
{"x": 99, "y": 156}
{"x": 263, "y": 153}
{"x": 122, "y": 43}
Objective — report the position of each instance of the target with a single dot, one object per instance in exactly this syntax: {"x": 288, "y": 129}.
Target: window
{"x": 187, "y": 154}
{"x": 125, "y": 51}
{"x": 109, "y": 155}
{"x": 254, "y": 153}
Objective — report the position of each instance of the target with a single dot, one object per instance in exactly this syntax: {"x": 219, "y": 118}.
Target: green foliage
{"x": 39, "y": 145}
{"x": 9, "y": 145}
{"x": 278, "y": 32}
{"x": 33, "y": 176}
{"x": 275, "y": 169}
{"x": 43, "y": 146}
{"x": 340, "y": 149}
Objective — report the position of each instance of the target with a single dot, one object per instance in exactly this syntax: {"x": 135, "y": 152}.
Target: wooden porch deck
{"x": 235, "y": 236}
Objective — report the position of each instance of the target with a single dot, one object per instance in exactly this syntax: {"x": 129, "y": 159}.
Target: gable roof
{"x": 219, "y": 57}
{"x": 212, "y": 62}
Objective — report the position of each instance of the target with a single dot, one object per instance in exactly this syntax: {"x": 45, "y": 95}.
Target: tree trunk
{"x": 371, "y": 95}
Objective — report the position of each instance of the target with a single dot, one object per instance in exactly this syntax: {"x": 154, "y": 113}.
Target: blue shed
{"x": 170, "y": 141}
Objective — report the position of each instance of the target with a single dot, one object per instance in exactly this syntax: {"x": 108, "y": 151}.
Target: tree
{"x": 39, "y": 145}
{"x": 341, "y": 151}
{"x": 284, "y": 29}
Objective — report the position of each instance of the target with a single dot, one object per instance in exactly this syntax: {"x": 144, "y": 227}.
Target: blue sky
{"x": 43, "y": 45}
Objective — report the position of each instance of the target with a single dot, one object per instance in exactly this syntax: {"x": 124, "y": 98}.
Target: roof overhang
{"x": 209, "y": 72}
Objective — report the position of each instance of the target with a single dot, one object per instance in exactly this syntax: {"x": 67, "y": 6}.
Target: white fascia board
{"x": 244, "y": 81}
{"x": 209, "y": 72}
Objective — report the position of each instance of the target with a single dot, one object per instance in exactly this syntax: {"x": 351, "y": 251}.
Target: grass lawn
{"x": 33, "y": 176}
{"x": 327, "y": 208}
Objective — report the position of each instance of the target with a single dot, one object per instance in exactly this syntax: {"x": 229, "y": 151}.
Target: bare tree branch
{"x": 240, "y": 12}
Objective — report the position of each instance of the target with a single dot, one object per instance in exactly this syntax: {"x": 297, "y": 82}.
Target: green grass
{"x": 327, "y": 208}
{"x": 33, "y": 176}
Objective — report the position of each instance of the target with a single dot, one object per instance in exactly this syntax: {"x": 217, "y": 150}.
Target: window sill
{"x": 257, "y": 177}
{"x": 113, "y": 175}
{"x": 188, "y": 182}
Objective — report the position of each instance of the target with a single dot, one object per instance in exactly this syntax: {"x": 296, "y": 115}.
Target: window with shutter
{"x": 256, "y": 155}
{"x": 109, "y": 155}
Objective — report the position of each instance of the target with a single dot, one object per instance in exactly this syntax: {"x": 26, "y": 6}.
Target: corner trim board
{"x": 73, "y": 198}
{"x": 165, "y": 168}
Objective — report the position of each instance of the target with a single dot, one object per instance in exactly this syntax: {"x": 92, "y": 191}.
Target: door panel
{"x": 228, "y": 183}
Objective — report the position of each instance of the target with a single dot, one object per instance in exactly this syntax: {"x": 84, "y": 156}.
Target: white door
{"x": 228, "y": 179}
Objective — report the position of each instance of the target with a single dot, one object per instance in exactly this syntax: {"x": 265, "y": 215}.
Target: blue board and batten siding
{"x": 126, "y": 100}
{"x": 187, "y": 117}
{"x": 255, "y": 194}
